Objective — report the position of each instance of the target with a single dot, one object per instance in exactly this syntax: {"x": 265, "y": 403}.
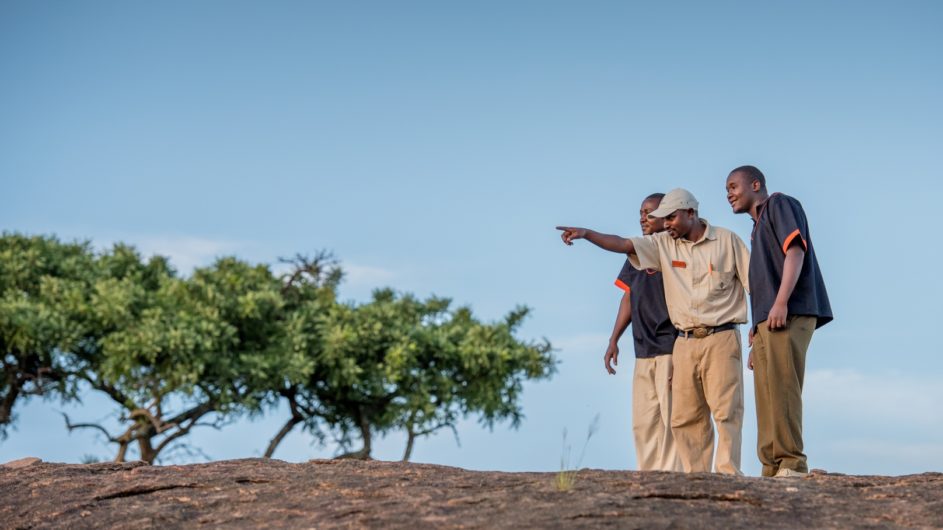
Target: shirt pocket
{"x": 721, "y": 284}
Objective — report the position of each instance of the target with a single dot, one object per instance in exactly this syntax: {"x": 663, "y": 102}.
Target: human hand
{"x": 570, "y": 233}
{"x": 671, "y": 374}
{"x": 750, "y": 360}
{"x": 777, "y": 316}
{"x": 750, "y": 336}
{"x": 612, "y": 355}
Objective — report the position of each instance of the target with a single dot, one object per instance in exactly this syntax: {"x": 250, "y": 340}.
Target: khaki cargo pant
{"x": 778, "y": 373}
{"x": 651, "y": 415}
{"x": 708, "y": 381}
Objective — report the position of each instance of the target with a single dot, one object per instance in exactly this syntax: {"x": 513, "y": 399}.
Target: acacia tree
{"x": 460, "y": 366}
{"x": 343, "y": 393}
{"x": 177, "y": 353}
{"x": 42, "y": 282}
{"x": 401, "y": 363}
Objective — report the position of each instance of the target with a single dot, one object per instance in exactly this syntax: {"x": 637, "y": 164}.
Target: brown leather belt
{"x": 706, "y": 331}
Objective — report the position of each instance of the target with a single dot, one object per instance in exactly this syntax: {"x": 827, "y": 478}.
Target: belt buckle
{"x": 700, "y": 333}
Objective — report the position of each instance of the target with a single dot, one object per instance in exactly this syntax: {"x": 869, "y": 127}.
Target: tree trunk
{"x": 297, "y": 417}
{"x": 6, "y": 404}
{"x": 365, "y": 435}
{"x": 122, "y": 452}
{"x": 364, "y": 452}
{"x": 148, "y": 454}
{"x": 409, "y": 444}
{"x": 411, "y": 435}
{"x": 289, "y": 425}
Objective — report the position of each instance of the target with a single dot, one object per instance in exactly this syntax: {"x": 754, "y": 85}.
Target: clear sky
{"x": 433, "y": 146}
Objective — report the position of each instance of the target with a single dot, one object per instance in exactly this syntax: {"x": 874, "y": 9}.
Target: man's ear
{"x": 756, "y": 185}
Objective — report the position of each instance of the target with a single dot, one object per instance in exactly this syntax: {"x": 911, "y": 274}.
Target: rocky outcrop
{"x": 258, "y": 493}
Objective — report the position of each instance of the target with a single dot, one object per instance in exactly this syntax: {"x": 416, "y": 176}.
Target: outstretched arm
{"x": 608, "y": 242}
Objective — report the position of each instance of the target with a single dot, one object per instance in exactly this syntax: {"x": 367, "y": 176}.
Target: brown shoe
{"x": 785, "y": 472}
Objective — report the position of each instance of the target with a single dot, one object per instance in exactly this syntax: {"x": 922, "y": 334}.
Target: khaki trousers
{"x": 708, "y": 380}
{"x": 778, "y": 373}
{"x": 651, "y": 415}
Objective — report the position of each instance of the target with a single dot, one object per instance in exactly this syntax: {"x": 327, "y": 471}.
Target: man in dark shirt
{"x": 653, "y": 334}
{"x": 789, "y": 302}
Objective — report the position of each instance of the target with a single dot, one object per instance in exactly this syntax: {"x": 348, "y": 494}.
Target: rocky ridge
{"x": 255, "y": 493}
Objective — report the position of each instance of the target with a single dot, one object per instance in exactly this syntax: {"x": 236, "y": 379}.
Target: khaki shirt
{"x": 704, "y": 280}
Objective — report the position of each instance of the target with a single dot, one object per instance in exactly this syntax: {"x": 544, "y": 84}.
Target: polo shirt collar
{"x": 710, "y": 234}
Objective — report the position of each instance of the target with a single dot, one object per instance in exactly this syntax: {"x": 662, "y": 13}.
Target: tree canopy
{"x": 235, "y": 339}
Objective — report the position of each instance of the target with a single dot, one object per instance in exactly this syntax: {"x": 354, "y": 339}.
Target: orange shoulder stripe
{"x": 792, "y": 236}
{"x": 621, "y": 285}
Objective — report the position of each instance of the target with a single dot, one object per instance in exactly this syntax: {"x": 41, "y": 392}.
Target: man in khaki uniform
{"x": 705, "y": 272}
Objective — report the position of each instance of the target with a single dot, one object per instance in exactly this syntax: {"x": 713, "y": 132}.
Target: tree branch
{"x": 72, "y": 426}
{"x": 295, "y": 419}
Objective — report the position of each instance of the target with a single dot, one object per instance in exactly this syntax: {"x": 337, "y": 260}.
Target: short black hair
{"x": 658, "y": 196}
{"x": 753, "y": 173}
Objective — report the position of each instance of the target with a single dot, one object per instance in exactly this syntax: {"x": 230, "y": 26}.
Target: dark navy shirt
{"x": 781, "y": 222}
{"x": 651, "y": 328}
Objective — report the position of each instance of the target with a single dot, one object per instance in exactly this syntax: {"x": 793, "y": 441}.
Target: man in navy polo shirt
{"x": 653, "y": 334}
{"x": 789, "y": 302}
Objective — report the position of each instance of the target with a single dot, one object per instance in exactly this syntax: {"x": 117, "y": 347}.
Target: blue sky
{"x": 433, "y": 146}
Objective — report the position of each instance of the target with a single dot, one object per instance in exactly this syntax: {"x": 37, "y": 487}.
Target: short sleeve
{"x": 788, "y": 221}
{"x": 647, "y": 255}
{"x": 623, "y": 281}
{"x": 742, "y": 257}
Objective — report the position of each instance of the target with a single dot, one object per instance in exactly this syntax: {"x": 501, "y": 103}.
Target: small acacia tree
{"x": 401, "y": 363}
{"x": 460, "y": 366}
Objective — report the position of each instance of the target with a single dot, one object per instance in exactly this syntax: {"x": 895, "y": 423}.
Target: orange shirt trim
{"x": 792, "y": 236}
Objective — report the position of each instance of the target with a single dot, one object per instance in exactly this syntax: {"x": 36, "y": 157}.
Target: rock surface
{"x": 258, "y": 493}
{"x": 21, "y": 463}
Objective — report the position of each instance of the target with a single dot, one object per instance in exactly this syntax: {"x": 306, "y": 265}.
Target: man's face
{"x": 650, "y": 225}
{"x": 741, "y": 192}
{"x": 679, "y": 223}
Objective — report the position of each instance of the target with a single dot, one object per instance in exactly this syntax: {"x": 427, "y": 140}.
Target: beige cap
{"x": 674, "y": 200}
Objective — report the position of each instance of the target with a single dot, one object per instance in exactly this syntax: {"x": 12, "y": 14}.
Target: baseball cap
{"x": 674, "y": 200}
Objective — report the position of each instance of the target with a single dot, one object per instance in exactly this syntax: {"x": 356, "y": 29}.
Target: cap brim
{"x": 662, "y": 212}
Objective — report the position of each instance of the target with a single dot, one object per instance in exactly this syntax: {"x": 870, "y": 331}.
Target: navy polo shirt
{"x": 781, "y": 222}
{"x": 652, "y": 330}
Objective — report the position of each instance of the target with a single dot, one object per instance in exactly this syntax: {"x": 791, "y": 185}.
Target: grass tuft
{"x": 566, "y": 477}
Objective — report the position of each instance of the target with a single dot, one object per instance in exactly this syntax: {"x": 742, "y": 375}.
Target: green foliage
{"x": 399, "y": 363}
{"x": 232, "y": 339}
{"x": 172, "y": 352}
{"x": 42, "y": 286}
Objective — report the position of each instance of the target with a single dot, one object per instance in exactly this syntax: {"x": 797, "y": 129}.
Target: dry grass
{"x": 565, "y": 479}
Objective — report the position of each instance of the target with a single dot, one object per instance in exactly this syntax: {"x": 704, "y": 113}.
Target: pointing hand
{"x": 570, "y": 233}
